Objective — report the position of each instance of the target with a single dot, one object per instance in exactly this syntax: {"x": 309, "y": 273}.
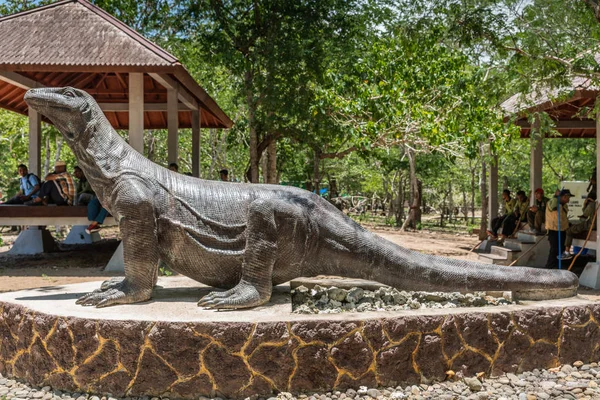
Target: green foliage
{"x": 348, "y": 87}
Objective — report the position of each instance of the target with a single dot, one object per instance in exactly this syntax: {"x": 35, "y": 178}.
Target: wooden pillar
{"x": 35, "y": 140}
{"x": 493, "y": 192}
{"x": 597, "y": 177}
{"x": 173, "y": 125}
{"x": 535, "y": 166}
{"x": 196, "y": 115}
{"x": 136, "y": 111}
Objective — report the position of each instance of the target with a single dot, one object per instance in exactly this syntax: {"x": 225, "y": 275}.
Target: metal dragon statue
{"x": 246, "y": 237}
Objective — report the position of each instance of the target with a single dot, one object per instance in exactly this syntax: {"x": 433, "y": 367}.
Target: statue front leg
{"x": 140, "y": 253}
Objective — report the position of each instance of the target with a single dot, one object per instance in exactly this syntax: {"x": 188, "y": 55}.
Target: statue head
{"x": 69, "y": 109}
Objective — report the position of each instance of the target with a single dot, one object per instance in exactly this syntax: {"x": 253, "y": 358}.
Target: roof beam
{"x": 19, "y": 80}
{"x": 564, "y": 124}
{"x": 169, "y": 83}
{"x": 124, "y": 107}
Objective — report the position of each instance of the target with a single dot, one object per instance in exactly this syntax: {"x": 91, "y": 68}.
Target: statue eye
{"x": 69, "y": 93}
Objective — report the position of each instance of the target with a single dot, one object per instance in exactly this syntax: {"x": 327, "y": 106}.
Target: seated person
{"x": 224, "y": 175}
{"x": 589, "y": 208}
{"x": 83, "y": 191}
{"x": 58, "y": 188}
{"x": 513, "y": 221}
{"x": 96, "y": 215}
{"x": 536, "y": 215}
{"x": 29, "y": 187}
{"x": 509, "y": 205}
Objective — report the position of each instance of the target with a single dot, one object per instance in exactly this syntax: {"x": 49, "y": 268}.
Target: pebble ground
{"x": 577, "y": 381}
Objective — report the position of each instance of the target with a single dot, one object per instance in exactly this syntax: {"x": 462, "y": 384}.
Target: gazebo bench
{"x": 35, "y": 240}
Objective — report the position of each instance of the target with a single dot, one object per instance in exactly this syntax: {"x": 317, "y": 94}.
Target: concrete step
{"x": 516, "y": 244}
{"x": 528, "y": 237}
{"x": 493, "y": 259}
{"x": 506, "y": 252}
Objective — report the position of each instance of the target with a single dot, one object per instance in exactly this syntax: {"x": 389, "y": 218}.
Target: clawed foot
{"x": 111, "y": 283}
{"x": 114, "y": 292}
{"x": 243, "y": 295}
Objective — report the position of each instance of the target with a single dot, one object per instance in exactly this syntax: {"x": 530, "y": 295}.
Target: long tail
{"x": 388, "y": 263}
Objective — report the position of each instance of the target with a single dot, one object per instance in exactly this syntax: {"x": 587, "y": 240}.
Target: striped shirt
{"x": 66, "y": 184}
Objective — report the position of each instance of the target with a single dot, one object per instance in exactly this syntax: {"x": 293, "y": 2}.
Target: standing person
{"x": 536, "y": 215}
{"x": 509, "y": 205}
{"x": 29, "y": 187}
{"x": 58, "y": 188}
{"x": 224, "y": 175}
{"x": 553, "y": 207}
{"x": 83, "y": 191}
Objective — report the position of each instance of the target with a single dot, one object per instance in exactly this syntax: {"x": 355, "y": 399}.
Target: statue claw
{"x": 241, "y": 296}
{"x": 118, "y": 293}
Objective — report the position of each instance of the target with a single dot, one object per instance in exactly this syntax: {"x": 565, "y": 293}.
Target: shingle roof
{"x": 545, "y": 99}
{"x": 75, "y": 32}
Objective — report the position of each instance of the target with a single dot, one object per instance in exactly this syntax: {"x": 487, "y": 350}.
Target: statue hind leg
{"x": 266, "y": 219}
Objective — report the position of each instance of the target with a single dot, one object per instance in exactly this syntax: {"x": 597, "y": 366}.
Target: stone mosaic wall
{"x": 186, "y": 360}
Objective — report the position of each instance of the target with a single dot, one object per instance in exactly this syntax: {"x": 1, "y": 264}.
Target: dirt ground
{"x": 74, "y": 264}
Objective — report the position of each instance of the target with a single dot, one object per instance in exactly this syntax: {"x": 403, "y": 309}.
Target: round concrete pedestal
{"x": 170, "y": 347}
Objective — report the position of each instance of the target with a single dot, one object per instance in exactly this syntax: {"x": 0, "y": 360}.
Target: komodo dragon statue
{"x": 246, "y": 237}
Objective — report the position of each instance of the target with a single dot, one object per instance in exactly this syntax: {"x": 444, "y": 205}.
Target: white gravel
{"x": 577, "y": 381}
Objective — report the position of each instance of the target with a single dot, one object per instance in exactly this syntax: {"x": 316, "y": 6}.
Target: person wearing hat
{"x": 536, "y": 215}
{"x": 553, "y": 207}
{"x": 58, "y": 188}
{"x": 589, "y": 208}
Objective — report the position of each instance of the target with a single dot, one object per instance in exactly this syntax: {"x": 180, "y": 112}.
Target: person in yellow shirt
{"x": 552, "y": 215}
{"x": 518, "y": 215}
{"x": 509, "y": 205}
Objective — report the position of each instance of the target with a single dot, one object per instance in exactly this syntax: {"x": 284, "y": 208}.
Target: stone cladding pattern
{"x": 237, "y": 359}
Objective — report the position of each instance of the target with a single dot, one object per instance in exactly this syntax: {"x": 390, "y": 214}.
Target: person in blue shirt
{"x": 30, "y": 186}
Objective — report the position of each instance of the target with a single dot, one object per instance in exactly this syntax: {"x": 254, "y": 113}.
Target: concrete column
{"x": 196, "y": 115}
{"x": 136, "y": 111}
{"x": 493, "y": 189}
{"x": 35, "y": 141}
{"x": 173, "y": 125}
{"x": 535, "y": 166}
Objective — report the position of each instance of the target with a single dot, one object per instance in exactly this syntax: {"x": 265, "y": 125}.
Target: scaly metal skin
{"x": 245, "y": 237}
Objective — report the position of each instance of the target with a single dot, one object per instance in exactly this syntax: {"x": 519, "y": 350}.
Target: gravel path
{"x": 577, "y": 381}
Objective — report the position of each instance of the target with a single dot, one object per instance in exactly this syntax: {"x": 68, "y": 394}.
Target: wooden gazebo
{"x": 137, "y": 84}
{"x": 565, "y": 106}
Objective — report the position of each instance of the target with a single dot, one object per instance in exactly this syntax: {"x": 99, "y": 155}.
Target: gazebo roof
{"x": 74, "y": 43}
{"x": 563, "y": 105}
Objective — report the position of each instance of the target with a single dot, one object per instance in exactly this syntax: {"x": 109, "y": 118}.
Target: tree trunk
{"x": 316, "y": 171}
{"x": 473, "y": 195}
{"x": 400, "y": 201}
{"x": 483, "y": 189}
{"x": 465, "y": 209}
{"x": 150, "y": 144}
{"x": 59, "y": 145}
{"x": 254, "y": 156}
{"x": 47, "y": 161}
{"x": 272, "y": 163}
{"x": 264, "y": 169}
{"x": 414, "y": 215}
